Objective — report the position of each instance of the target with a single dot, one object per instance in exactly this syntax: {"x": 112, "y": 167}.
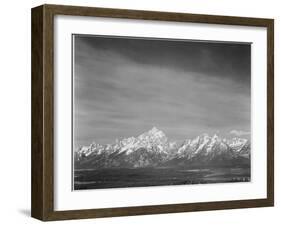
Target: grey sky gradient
{"x": 125, "y": 86}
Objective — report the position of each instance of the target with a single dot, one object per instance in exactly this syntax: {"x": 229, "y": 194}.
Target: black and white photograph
{"x": 159, "y": 112}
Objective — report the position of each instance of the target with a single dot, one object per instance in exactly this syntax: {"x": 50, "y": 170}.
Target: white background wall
{"x": 15, "y": 112}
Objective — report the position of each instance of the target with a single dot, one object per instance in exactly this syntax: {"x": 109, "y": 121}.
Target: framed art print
{"x": 141, "y": 112}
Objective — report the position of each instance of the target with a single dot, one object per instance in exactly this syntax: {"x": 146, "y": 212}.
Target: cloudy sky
{"x": 125, "y": 86}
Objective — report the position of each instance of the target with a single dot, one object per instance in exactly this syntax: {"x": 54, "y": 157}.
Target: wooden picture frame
{"x": 42, "y": 203}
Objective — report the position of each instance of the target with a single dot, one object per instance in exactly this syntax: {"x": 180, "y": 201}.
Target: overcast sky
{"x": 123, "y": 87}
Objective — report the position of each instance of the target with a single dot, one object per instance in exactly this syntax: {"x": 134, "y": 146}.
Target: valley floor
{"x": 142, "y": 177}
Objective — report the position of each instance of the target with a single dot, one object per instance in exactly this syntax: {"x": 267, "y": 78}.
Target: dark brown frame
{"x": 42, "y": 203}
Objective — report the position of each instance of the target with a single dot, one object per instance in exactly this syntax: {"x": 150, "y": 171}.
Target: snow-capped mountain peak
{"x": 237, "y": 144}
{"x": 153, "y": 148}
{"x": 154, "y": 133}
{"x": 215, "y": 137}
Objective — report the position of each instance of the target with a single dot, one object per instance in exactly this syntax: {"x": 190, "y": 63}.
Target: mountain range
{"x": 153, "y": 149}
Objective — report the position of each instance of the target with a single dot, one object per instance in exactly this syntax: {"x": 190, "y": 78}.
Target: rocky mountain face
{"x": 152, "y": 149}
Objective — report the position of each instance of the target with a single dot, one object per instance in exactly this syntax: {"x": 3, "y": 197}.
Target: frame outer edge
{"x": 156, "y": 15}
{"x": 37, "y": 185}
{"x": 270, "y": 112}
{"x": 48, "y": 105}
{"x": 42, "y": 198}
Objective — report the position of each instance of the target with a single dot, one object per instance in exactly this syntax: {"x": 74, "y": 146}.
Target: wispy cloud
{"x": 239, "y": 133}
{"x": 124, "y": 87}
